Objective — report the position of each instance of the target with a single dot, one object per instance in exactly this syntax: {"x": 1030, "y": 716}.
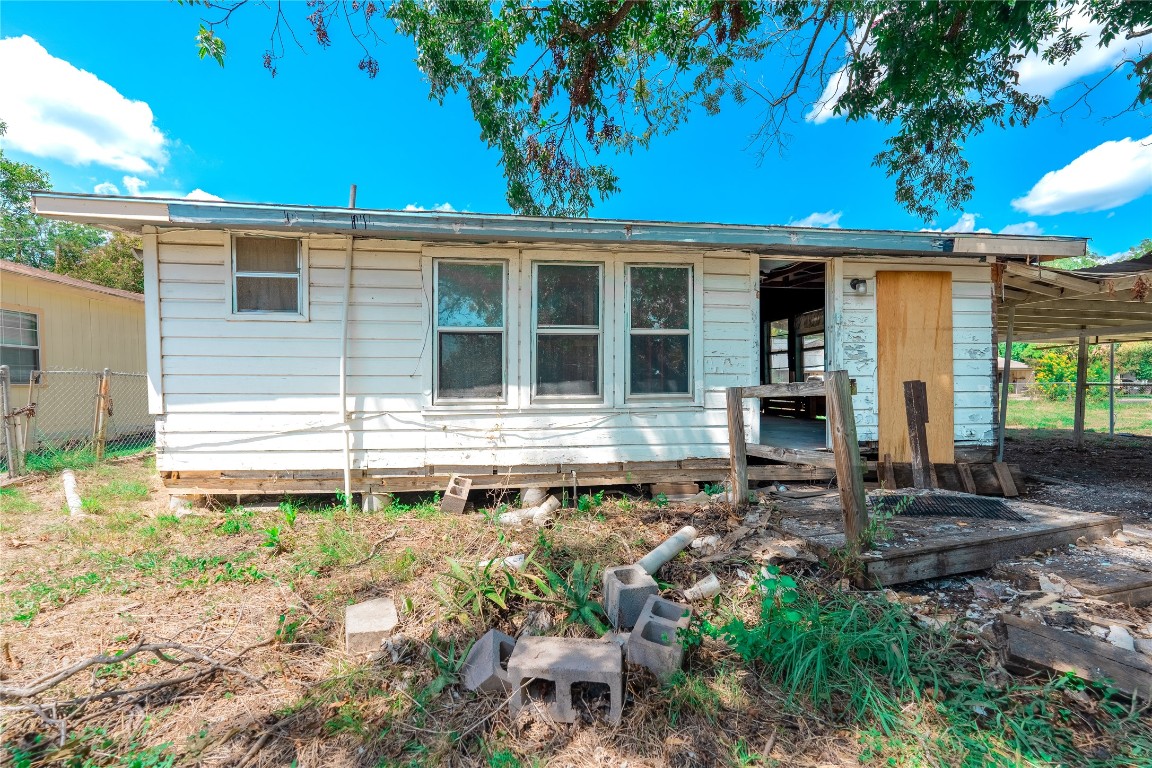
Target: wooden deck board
{"x": 931, "y": 547}
{"x": 1110, "y": 573}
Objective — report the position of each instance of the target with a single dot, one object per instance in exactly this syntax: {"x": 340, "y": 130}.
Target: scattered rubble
{"x": 486, "y": 668}
{"x": 539, "y": 515}
{"x": 367, "y": 625}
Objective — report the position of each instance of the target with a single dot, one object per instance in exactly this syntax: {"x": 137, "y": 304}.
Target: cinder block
{"x": 552, "y": 673}
{"x": 368, "y": 624}
{"x": 456, "y": 494}
{"x": 486, "y": 668}
{"x": 654, "y": 643}
{"x": 626, "y": 588}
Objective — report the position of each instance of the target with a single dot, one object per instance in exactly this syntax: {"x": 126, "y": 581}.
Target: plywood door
{"x": 914, "y": 341}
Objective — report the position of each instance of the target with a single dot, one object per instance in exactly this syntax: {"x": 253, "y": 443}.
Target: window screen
{"x": 568, "y": 330}
{"x": 470, "y": 328}
{"x": 19, "y": 344}
{"x": 266, "y": 275}
{"x": 660, "y": 349}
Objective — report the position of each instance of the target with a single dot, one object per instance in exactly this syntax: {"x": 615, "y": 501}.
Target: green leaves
{"x": 209, "y": 45}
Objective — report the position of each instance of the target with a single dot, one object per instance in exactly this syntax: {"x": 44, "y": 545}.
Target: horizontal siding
{"x": 258, "y": 394}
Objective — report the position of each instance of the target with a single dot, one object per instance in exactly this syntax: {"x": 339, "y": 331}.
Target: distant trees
{"x": 80, "y": 251}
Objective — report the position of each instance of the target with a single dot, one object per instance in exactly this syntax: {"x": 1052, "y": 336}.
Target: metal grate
{"x": 947, "y": 506}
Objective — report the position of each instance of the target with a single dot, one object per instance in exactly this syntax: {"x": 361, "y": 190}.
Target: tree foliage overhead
{"x": 80, "y": 251}
{"x": 559, "y": 87}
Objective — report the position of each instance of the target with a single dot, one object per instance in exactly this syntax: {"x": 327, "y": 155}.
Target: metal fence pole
{"x": 9, "y": 422}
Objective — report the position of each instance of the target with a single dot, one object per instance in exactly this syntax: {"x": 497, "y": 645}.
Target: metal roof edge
{"x": 72, "y": 282}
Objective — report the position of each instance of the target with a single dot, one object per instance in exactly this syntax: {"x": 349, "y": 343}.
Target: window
{"x": 777, "y": 345}
{"x": 470, "y": 330}
{"x": 568, "y": 330}
{"x": 19, "y": 344}
{"x": 266, "y": 275}
{"x": 659, "y": 331}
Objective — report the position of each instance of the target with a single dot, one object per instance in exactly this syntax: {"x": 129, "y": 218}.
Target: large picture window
{"x": 266, "y": 275}
{"x": 568, "y": 330}
{"x": 659, "y": 335}
{"x": 470, "y": 330}
{"x": 19, "y": 344}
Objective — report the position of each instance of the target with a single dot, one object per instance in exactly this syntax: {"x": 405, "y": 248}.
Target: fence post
{"x": 846, "y": 450}
{"x": 738, "y": 449}
{"x": 10, "y": 446}
{"x": 100, "y": 426}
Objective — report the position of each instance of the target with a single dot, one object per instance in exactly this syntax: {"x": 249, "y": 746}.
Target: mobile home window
{"x": 470, "y": 330}
{"x": 19, "y": 344}
{"x": 266, "y": 275}
{"x": 568, "y": 330}
{"x": 660, "y": 343}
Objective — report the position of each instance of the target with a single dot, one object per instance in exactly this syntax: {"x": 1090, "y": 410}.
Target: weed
{"x": 272, "y": 540}
{"x": 289, "y": 509}
{"x": 122, "y": 490}
{"x": 660, "y": 500}
{"x": 587, "y": 503}
{"x": 714, "y": 488}
{"x": 575, "y": 595}
{"x": 448, "y": 660}
{"x": 348, "y": 719}
{"x": 743, "y": 757}
{"x": 504, "y": 759}
{"x": 14, "y": 502}
{"x": 476, "y": 593}
{"x": 288, "y": 626}
{"x": 691, "y": 693}
{"x": 236, "y": 520}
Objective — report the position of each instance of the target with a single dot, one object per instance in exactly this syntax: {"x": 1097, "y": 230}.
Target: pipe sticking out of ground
{"x": 676, "y": 543}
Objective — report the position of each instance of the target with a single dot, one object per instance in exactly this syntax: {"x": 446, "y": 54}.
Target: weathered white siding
{"x": 259, "y": 394}
{"x": 973, "y": 360}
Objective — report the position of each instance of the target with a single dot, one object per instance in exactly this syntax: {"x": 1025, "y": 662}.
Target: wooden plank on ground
{"x": 1103, "y": 572}
{"x": 966, "y": 478}
{"x": 792, "y": 455}
{"x": 1035, "y": 645}
{"x": 1004, "y": 475}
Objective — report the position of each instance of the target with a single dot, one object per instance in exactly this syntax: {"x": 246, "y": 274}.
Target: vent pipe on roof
{"x": 352, "y": 197}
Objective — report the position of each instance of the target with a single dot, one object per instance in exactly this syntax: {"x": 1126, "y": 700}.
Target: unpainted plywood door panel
{"x": 914, "y": 341}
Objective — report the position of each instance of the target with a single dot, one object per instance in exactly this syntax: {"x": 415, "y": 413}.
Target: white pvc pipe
{"x": 344, "y": 373}
{"x": 75, "y": 505}
{"x": 675, "y": 544}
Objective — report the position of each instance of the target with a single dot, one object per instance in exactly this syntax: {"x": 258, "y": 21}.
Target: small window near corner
{"x": 19, "y": 344}
{"x": 266, "y": 275}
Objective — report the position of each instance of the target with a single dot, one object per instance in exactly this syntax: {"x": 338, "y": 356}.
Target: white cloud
{"x": 57, "y": 111}
{"x": 442, "y": 207}
{"x": 1023, "y": 228}
{"x": 134, "y": 185}
{"x": 106, "y": 188}
{"x": 1106, "y": 176}
{"x": 827, "y": 219}
{"x": 199, "y": 194}
{"x": 966, "y": 223}
{"x": 1040, "y": 78}
{"x": 821, "y": 111}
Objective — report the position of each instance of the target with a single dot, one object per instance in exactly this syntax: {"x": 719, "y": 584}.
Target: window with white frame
{"x": 266, "y": 275}
{"x": 568, "y": 330}
{"x": 19, "y": 344}
{"x": 470, "y": 330}
{"x": 659, "y": 330}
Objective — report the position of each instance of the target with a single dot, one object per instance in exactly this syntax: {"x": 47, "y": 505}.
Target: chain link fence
{"x": 74, "y": 418}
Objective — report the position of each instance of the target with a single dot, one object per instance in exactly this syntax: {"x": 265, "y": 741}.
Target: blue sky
{"x": 111, "y": 96}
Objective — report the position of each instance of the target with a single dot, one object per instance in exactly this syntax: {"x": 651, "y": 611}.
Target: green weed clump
{"x": 915, "y": 694}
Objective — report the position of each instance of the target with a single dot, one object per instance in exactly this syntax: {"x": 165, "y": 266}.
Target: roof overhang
{"x": 132, "y": 214}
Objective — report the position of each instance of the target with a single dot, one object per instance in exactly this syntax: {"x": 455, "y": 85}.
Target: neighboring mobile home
{"x": 52, "y": 322}
{"x": 290, "y": 347}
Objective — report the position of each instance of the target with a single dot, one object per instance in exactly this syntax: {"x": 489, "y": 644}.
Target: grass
{"x": 1133, "y": 414}
{"x": 51, "y": 459}
{"x": 830, "y": 677}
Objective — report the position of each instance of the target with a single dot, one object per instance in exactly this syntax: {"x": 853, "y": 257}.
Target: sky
{"x": 111, "y": 98}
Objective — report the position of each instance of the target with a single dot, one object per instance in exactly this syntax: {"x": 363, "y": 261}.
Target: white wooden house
{"x": 292, "y": 347}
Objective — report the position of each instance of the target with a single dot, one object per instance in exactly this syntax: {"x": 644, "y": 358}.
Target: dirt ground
{"x": 1111, "y": 475}
{"x": 249, "y": 604}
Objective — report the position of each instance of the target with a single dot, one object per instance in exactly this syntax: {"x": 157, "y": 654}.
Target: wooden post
{"x": 1112, "y": 388}
{"x": 1081, "y": 392}
{"x": 10, "y": 448}
{"x": 916, "y": 407}
{"x": 737, "y": 447}
{"x": 100, "y": 427}
{"x": 1006, "y": 377}
{"x": 846, "y": 449}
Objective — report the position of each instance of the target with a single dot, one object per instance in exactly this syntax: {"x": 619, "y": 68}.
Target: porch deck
{"x": 798, "y": 434}
{"x": 922, "y": 547}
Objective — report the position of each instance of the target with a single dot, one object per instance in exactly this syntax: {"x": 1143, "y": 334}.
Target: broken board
{"x": 1110, "y": 573}
{"x": 1032, "y": 644}
{"x": 931, "y": 547}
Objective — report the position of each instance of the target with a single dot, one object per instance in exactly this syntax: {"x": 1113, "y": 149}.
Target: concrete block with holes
{"x": 626, "y": 588}
{"x": 456, "y": 494}
{"x": 368, "y": 624}
{"x": 549, "y": 675}
{"x": 486, "y": 668}
{"x": 654, "y": 643}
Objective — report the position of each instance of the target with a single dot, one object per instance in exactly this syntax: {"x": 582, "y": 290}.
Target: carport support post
{"x": 1005, "y": 378}
{"x": 1112, "y": 388}
{"x": 1081, "y": 391}
{"x": 737, "y": 448}
{"x": 846, "y": 450}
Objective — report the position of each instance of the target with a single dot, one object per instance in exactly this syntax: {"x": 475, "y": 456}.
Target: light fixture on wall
{"x": 859, "y": 285}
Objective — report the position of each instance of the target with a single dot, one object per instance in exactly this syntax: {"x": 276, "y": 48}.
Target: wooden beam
{"x": 736, "y": 446}
{"x": 916, "y": 409}
{"x": 791, "y": 455}
{"x": 1031, "y": 287}
{"x": 794, "y": 389}
{"x": 1062, "y": 280}
{"x": 1115, "y": 331}
{"x": 1004, "y": 476}
{"x": 846, "y": 451}
{"x": 788, "y": 473}
{"x": 1081, "y": 392}
{"x": 966, "y": 478}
